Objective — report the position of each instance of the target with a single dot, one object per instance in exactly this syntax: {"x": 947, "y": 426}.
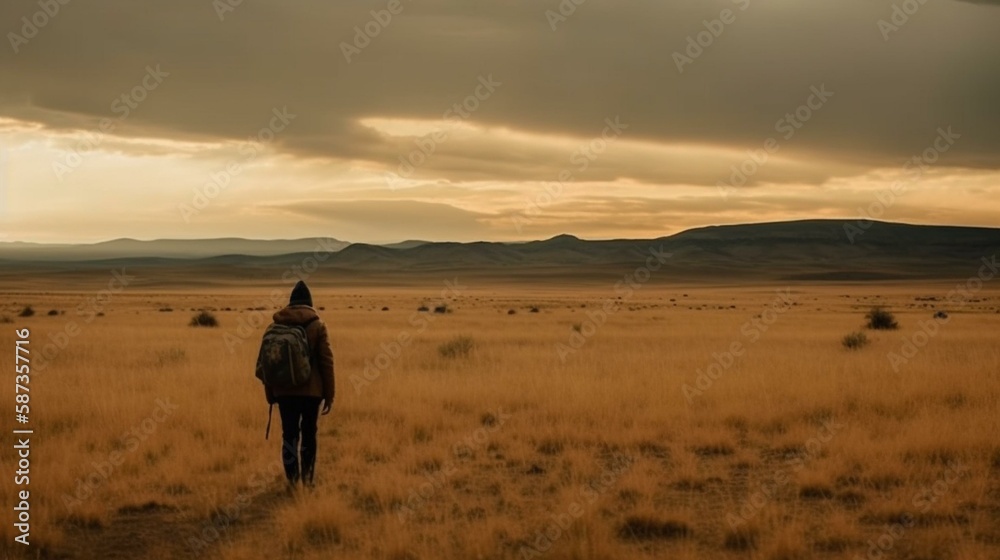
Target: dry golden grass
{"x": 800, "y": 449}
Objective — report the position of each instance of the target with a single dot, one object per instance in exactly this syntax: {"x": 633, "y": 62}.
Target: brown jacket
{"x": 321, "y": 381}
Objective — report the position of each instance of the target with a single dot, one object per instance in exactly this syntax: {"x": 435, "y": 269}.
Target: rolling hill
{"x": 812, "y": 250}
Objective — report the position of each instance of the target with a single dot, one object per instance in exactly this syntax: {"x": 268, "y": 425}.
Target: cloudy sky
{"x": 507, "y": 119}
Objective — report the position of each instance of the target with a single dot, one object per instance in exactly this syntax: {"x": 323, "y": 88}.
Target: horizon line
{"x": 4, "y": 241}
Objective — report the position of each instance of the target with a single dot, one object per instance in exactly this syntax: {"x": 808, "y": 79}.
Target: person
{"x": 299, "y": 407}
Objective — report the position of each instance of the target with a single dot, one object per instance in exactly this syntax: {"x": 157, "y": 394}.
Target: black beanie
{"x": 301, "y": 295}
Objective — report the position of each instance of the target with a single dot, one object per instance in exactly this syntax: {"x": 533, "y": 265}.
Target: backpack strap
{"x": 267, "y": 432}
{"x": 305, "y": 327}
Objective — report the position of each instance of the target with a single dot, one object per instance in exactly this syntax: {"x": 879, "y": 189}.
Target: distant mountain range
{"x": 811, "y": 250}
{"x": 164, "y": 248}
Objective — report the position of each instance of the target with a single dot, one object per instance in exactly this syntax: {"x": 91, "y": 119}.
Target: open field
{"x": 554, "y": 434}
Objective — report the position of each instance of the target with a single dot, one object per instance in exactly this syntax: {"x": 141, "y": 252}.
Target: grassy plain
{"x": 149, "y": 433}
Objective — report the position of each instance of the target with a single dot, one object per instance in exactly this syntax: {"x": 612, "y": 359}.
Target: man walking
{"x": 299, "y": 405}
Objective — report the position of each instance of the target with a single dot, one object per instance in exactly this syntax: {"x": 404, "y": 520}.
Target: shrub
{"x": 578, "y": 327}
{"x": 534, "y": 310}
{"x": 385, "y": 309}
{"x": 443, "y": 308}
{"x": 26, "y": 312}
{"x": 5, "y": 319}
{"x": 53, "y": 312}
{"x": 941, "y": 315}
{"x": 881, "y": 319}
{"x": 511, "y": 311}
{"x": 458, "y": 347}
{"x": 423, "y": 309}
{"x": 204, "y": 319}
{"x": 855, "y": 340}
{"x": 166, "y": 309}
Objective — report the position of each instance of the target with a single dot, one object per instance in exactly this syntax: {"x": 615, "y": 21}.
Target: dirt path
{"x": 153, "y": 531}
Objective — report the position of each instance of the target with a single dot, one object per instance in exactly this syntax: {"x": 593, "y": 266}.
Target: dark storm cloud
{"x": 606, "y": 59}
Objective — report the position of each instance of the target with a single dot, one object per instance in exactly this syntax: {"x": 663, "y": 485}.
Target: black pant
{"x": 298, "y": 418}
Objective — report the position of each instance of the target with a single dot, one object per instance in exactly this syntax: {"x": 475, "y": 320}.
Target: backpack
{"x": 283, "y": 361}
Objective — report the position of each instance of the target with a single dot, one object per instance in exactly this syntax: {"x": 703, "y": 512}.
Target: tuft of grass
{"x": 28, "y": 311}
{"x": 204, "y": 319}
{"x": 53, "y": 312}
{"x": 313, "y": 522}
{"x": 713, "y": 450}
{"x": 638, "y": 528}
{"x": 742, "y": 538}
{"x": 458, "y": 347}
{"x": 881, "y": 319}
{"x": 578, "y": 327}
{"x": 6, "y": 319}
{"x": 511, "y": 311}
{"x": 534, "y": 310}
{"x": 816, "y": 492}
{"x": 423, "y": 309}
{"x": 550, "y": 447}
{"x": 855, "y": 340}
